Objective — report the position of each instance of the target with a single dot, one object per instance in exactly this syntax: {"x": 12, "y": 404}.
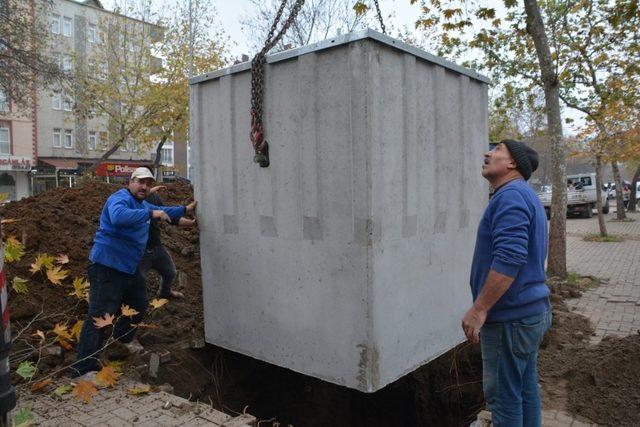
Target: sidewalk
{"x": 117, "y": 407}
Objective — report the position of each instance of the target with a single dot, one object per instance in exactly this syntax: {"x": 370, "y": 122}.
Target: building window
{"x": 68, "y": 138}
{"x": 92, "y": 141}
{"x": 57, "y": 138}
{"x": 4, "y": 101}
{"x": 67, "y": 26}
{"x": 56, "y": 101}
{"x": 5, "y": 138}
{"x": 55, "y": 24}
{"x": 67, "y": 104}
{"x": 67, "y": 63}
{"x": 166, "y": 156}
{"x": 92, "y": 33}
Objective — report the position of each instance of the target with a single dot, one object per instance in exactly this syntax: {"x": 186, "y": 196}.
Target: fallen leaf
{"x": 22, "y": 418}
{"x": 65, "y": 344}
{"x": 26, "y": 370}
{"x": 157, "y": 303}
{"x": 40, "y": 385}
{"x": 56, "y": 275}
{"x": 80, "y": 288}
{"x": 143, "y": 325}
{"x": 62, "y": 390}
{"x": 116, "y": 365}
{"x": 62, "y": 331}
{"x": 62, "y": 259}
{"x": 9, "y": 221}
{"x": 42, "y": 260}
{"x": 128, "y": 311}
{"x": 140, "y": 389}
{"x": 85, "y": 390}
{"x": 103, "y": 321}
{"x": 20, "y": 285}
{"x": 76, "y": 329}
{"x": 107, "y": 377}
{"x": 13, "y": 250}
{"x": 40, "y": 334}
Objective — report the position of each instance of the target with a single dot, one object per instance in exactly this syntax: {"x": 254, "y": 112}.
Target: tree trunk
{"x": 557, "y": 262}
{"x": 156, "y": 162}
{"x": 633, "y": 197}
{"x": 619, "y": 191}
{"x": 105, "y": 156}
{"x": 601, "y": 223}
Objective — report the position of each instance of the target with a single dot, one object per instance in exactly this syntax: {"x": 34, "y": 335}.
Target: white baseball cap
{"x": 142, "y": 173}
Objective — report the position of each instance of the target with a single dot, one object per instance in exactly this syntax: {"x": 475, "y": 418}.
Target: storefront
{"x": 118, "y": 172}
{"x": 14, "y": 177}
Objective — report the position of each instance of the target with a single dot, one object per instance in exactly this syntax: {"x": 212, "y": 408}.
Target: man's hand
{"x": 472, "y": 322}
{"x": 191, "y": 207}
{"x": 157, "y": 188}
{"x": 186, "y": 222}
{"x": 161, "y": 215}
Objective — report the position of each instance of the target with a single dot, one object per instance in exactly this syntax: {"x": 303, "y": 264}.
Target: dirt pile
{"x": 64, "y": 221}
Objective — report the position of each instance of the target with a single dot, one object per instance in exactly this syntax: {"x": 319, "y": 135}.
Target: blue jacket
{"x": 512, "y": 240}
{"x": 124, "y": 229}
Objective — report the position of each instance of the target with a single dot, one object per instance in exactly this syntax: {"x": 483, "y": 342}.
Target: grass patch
{"x": 599, "y": 238}
{"x": 573, "y": 278}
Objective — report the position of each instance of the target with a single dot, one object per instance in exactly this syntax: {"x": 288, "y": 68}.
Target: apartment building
{"x": 17, "y": 148}
{"x": 69, "y": 143}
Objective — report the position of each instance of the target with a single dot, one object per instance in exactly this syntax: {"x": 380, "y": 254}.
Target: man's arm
{"x": 122, "y": 215}
{"x": 494, "y": 287}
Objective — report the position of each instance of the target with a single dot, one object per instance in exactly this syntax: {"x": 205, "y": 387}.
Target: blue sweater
{"x": 124, "y": 229}
{"x": 512, "y": 240}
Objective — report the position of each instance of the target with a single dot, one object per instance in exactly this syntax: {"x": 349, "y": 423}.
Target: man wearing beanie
{"x": 511, "y": 310}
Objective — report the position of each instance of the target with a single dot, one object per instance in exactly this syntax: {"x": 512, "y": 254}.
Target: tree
{"x": 117, "y": 82}
{"x": 316, "y": 21}
{"x": 23, "y": 47}
{"x": 518, "y": 49}
{"x": 184, "y": 53}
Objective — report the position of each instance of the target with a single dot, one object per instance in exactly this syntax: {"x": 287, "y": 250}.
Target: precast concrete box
{"x": 348, "y": 258}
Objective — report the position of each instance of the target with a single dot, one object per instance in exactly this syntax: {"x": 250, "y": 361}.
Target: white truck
{"x": 581, "y": 196}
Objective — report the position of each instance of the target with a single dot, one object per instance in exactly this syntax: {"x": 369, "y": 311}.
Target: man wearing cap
{"x": 511, "y": 310}
{"x": 113, "y": 272}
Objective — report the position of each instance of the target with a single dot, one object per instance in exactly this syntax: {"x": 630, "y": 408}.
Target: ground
{"x": 594, "y": 334}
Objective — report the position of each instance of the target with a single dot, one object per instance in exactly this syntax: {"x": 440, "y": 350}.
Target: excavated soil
{"x": 598, "y": 382}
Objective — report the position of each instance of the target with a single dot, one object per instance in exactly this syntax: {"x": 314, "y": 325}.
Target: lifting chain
{"x": 258, "y": 141}
{"x": 382, "y": 27}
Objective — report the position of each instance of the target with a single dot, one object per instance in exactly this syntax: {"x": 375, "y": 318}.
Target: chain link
{"x": 258, "y": 141}
{"x": 384, "y": 29}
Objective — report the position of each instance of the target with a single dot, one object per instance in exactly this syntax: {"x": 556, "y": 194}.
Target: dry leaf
{"x": 80, "y": 288}
{"x": 76, "y": 329}
{"x": 40, "y": 385}
{"x": 42, "y": 260}
{"x": 107, "y": 377}
{"x": 140, "y": 389}
{"x": 143, "y": 325}
{"x": 40, "y": 334}
{"x": 128, "y": 311}
{"x": 157, "y": 303}
{"x": 9, "y": 221}
{"x": 62, "y": 259}
{"x": 85, "y": 390}
{"x": 20, "y": 285}
{"x": 62, "y": 332}
{"x": 116, "y": 365}
{"x": 65, "y": 344}
{"x": 56, "y": 275}
{"x": 103, "y": 321}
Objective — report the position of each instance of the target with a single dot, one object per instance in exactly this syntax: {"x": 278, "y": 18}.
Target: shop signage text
{"x": 116, "y": 169}
{"x": 15, "y": 163}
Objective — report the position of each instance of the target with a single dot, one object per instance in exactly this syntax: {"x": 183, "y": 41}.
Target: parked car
{"x": 581, "y": 196}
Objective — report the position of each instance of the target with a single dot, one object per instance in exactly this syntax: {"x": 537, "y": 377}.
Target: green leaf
{"x": 510, "y": 3}
{"x": 62, "y": 390}
{"x": 26, "y": 370}
{"x": 23, "y": 417}
{"x": 13, "y": 250}
{"x": 20, "y": 285}
{"x": 360, "y": 8}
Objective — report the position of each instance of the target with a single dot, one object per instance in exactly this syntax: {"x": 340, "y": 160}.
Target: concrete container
{"x": 348, "y": 258}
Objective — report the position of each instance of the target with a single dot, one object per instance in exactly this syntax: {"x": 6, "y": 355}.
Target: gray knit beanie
{"x": 526, "y": 158}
